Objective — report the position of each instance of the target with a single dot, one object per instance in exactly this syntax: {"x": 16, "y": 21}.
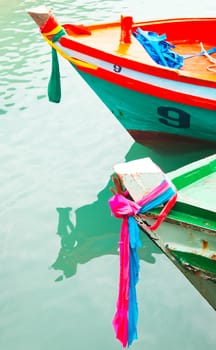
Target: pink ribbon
{"x": 122, "y": 208}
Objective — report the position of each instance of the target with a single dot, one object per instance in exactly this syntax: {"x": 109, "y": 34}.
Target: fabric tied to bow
{"x": 126, "y": 316}
{"x": 52, "y": 32}
{"x": 125, "y": 319}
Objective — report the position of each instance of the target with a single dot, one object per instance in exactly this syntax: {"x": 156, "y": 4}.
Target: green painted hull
{"x": 151, "y": 120}
{"x": 192, "y": 251}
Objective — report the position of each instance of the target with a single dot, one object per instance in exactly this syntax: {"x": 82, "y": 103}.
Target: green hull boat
{"x": 187, "y": 233}
{"x": 163, "y": 104}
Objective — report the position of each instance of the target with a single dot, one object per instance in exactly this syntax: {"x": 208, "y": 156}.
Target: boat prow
{"x": 187, "y": 232}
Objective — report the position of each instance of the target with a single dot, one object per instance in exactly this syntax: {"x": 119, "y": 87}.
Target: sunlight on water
{"x": 59, "y": 282}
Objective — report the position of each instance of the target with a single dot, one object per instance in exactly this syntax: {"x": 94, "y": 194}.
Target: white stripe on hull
{"x": 172, "y": 85}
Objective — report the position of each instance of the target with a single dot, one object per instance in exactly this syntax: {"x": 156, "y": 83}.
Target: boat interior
{"x": 196, "y": 186}
{"x": 191, "y": 37}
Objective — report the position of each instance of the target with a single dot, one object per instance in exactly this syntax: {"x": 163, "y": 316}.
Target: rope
{"x": 212, "y": 67}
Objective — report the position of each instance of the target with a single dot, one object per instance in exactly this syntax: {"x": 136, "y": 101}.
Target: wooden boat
{"x": 157, "y": 77}
{"x": 186, "y": 234}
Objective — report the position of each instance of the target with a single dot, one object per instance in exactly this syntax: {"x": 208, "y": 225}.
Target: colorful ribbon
{"x": 126, "y": 316}
{"x": 52, "y": 31}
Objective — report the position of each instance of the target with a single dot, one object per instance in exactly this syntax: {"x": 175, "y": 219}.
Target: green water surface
{"x": 58, "y": 240}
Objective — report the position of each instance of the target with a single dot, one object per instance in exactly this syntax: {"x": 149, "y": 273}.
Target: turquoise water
{"x": 59, "y": 287}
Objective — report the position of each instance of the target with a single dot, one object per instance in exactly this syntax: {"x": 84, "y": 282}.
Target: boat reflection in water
{"x": 96, "y": 232}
